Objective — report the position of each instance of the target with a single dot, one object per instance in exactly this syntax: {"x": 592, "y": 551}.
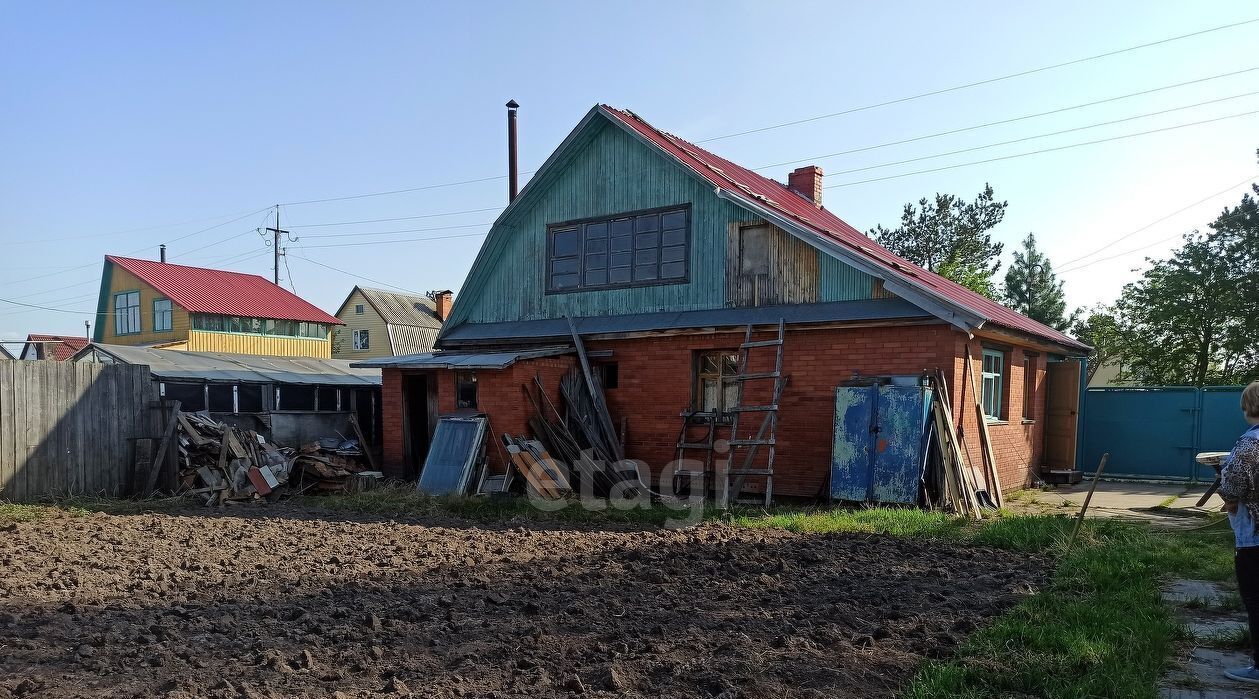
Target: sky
{"x": 126, "y": 125}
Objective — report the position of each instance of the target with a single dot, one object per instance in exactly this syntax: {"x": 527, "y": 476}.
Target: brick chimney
{"x": 444, "y": 300}
{"x": 807, "y": 182}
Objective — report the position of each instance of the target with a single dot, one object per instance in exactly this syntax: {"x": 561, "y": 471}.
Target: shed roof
{"x": 462, "y": 360}
{"x": 175, "y": 365}
{"x": 202, "y": 290}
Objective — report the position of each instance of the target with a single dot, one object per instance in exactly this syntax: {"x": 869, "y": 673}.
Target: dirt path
{"x": 291, "y": 603}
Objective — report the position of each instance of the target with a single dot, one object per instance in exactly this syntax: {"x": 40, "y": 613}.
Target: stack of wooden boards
{"x": 226, "y": 464}
{"x": 952, "y": 480}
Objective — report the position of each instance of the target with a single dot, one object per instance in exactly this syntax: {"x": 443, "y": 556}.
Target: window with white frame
{"x": 162, "y": 315}
{"x": 993, "y": 379}
{"x": 358, "y": 309}
{"x": 127, "y": 313}
{"x": 716, "y": 389}
{"x": 361, "y": 340}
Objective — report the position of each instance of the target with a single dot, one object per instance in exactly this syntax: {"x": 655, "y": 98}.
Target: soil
{"x": 300, "y": 603}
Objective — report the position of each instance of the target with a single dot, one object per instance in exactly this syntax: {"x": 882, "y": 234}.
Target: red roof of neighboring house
{"x": 61, "y": 347}
{"x": 201, "y": 290}
{"x": 727, "y": 175}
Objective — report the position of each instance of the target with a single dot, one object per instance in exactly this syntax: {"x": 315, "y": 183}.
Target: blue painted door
{"x": 877, "y": 451}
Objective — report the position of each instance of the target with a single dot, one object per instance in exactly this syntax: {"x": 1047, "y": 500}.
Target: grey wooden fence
{"x": 68, "y": 428}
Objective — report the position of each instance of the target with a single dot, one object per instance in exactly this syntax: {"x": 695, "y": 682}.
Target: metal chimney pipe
{"x": 512, "y": 188}
{"x": 163, "y": 252}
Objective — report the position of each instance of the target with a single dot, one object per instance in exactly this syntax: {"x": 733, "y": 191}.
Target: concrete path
{"x": 1171, "y": 505}
{"x": 1212, "y": 614}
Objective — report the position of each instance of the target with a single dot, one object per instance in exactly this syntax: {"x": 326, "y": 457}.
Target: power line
{"x": 400, "y": 218}
{"x": 389, "y": 242}
{"x": 1046, "y": 135}
{"x": 404, "y": 230}
{"x": 357, "y": 276}
{"x": 1231, "y": 187}
{"x": 122, "y": 232}
{"x": 978, "y": 83}
{"x": 963, "y": 129}
{"x": 402, "y": 191}
{"x": 1042, "y": 150}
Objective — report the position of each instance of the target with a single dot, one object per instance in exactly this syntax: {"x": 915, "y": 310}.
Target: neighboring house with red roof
{"x": 56, "y": 347}
{"x": 157, "y": 304}
{"x": 662, "y": 254}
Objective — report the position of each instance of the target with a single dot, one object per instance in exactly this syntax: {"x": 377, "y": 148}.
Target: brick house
{"x": 661, "y": 254}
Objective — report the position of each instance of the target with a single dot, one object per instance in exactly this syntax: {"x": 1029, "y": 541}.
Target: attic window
{"x": 635, "y": 249}
{"x": 358, "y": 309}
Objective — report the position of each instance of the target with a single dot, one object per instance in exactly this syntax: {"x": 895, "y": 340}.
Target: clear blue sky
{"x": 119, "y": 119}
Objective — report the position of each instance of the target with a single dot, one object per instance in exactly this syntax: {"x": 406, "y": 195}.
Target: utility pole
{"x": 277, "y": 231}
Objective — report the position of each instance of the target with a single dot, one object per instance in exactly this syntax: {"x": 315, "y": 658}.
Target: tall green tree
{"x": 1194, "y": 318}
{"x": 950, "y": 236}
{"x": 1032, "y": 288}
{"x": 1098, "y": 328}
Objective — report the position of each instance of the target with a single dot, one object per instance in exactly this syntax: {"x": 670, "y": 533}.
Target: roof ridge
{"x": 116, "y": 258}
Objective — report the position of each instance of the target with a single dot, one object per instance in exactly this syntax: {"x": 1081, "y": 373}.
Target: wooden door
{"x": 1062, "y": 411}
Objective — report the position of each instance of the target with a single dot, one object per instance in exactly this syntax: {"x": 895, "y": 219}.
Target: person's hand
{"x": 1230, "y": 506}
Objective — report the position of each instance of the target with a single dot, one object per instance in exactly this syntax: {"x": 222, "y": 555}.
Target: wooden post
{"x": 168, "y": 435}
{"x": 1087, "y": 499}
{"x": 990, "y": 462}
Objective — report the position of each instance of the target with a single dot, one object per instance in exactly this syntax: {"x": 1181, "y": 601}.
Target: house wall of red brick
{"x": 656, "y": 383}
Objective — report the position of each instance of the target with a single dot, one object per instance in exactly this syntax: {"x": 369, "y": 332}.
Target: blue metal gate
{"x": 878, "y": 445}
{"x": 1154, "y": 433}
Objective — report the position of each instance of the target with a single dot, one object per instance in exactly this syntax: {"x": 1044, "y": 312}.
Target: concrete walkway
{"x": 1210, "y": 613}
{"x": 1170, "y": 505}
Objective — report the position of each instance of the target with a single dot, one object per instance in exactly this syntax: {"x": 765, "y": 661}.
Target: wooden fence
{"x": 69, "y": 428}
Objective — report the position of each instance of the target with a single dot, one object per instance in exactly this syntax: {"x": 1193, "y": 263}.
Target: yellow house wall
{"x": 377, "y": 330}
{"x": 121, "y": 281}
{"x": 243, "y": 343}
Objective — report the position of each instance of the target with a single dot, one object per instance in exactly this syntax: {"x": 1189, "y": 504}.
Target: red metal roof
{"x": 727, "y": 175}
{"x": 61, "y": 347}
{"x": 201, "y": 290}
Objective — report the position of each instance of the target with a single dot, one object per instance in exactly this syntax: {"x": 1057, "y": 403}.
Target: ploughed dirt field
{"x": 300, "y": 603}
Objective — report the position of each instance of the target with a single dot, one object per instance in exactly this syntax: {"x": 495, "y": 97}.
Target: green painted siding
{"x": 839, "y": 282}
{"x": 611, "y": 172}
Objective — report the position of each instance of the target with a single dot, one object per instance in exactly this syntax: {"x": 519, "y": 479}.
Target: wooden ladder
{"x": 767, "y": 433}
{"x": 688, "y": 440}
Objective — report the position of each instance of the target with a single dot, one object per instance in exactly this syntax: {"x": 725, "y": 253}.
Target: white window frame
{"x": 362, "y": 340}
{"x": 163, "y": 319}
{"x": 359, "y": 310}
{"x": 993, "y": 373}
{"x": 127, "y": 313}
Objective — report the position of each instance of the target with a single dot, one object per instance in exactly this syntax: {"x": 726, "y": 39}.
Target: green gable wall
{"x": 611, "y": 172}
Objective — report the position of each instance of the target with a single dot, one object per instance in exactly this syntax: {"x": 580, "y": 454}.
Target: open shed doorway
{"x": 418, "y": 409}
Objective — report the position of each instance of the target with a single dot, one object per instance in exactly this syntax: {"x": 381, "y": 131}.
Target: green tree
{"x": 1194, "y": 317}
{"x": 1098, "y": 328}
{"x": 1032, "y": 288}
{"x": 950, "y": 237}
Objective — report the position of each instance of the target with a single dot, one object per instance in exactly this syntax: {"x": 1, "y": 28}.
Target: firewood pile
{"x": 225, "y": 464}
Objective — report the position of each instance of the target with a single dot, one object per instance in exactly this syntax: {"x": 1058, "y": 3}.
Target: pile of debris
{"x": 226, "y": 464}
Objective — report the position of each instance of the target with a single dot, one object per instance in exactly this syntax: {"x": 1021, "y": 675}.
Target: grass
{"x": 83, "y": 506}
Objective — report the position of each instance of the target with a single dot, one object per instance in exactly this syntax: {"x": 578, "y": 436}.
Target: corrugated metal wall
{"x": 614, "y": 173}
{"x": 275, "y": 346}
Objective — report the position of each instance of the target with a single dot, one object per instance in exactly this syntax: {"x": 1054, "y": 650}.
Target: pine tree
{"x": 1032, "y": 288}
{"x": 950, "y": 237}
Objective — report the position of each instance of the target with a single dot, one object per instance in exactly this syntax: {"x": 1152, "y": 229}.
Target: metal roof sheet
{"x": 838, "y": 311}
{"x": 233, "y": 368}
{"x": 409, "y": 339}
{"x": 724, "y": 174}
{"x": 402, "y": 309}
{"x": 461, "y": 360}
{"x": 217, "y": 291}
{"x": 59, "y": 347}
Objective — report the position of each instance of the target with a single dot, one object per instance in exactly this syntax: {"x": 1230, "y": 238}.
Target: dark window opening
{"x": 465, "y": 390}
{"x": 327, "y": 399}
{"x": 716, "y": 390}
{"x": 297, "y": 398}
{"x": 191, "y": 396}
{"x": 650, "y": 247}
{"x": 249, "y": 398}
{"x": 221, "y": 399}
{"x": 609, "y": 374}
